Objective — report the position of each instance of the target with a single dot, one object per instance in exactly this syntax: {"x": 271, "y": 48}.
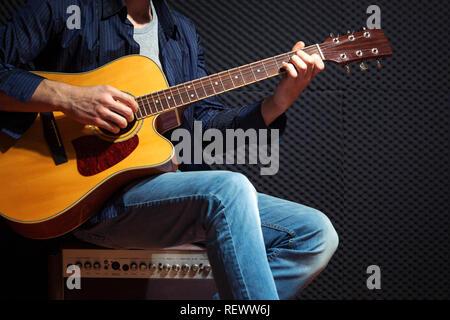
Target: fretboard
{"x": 199, "y": 89}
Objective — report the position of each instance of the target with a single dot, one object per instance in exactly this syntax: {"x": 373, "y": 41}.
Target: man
{"x": 260, "y": 247}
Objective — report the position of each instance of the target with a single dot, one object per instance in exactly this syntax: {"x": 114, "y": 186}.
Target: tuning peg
{"x": 348, "y": 32}
{"x": 379, "y": 64}
{"x": 331, "y": 35}
{"x": 347, "y": 68}
{"x": 363, "y": 66}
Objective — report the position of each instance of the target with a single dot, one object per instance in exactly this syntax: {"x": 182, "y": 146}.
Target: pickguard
{"x": 95, "y": 155}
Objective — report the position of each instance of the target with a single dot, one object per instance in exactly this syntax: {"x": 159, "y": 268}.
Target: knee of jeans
{"x": 235, "y": 184}
{"x": 232, "y": 189}
{"x": 322, "y": 240}
{"x": 329, "y": 241}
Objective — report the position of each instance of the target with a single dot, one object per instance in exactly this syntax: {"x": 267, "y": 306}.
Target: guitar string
{"x": 247, "y": 71}
{"x": 273, "y": 62}
{"x": 150, "y": 104}
{"x": 323, "y": 46}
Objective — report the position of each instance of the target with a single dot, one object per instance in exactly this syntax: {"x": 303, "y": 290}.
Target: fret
{"x": 177, "y": 97}
{"x": 221, "y": 82}
{"x": 191, "y": 92}
{"x": 147, "y": 106}
{"x": 265, "y": 70}
{"x": 216, "y": 80}
{"x": 271, "y": 67}
{"x": 139, "y": 113}
{"x": 160, "y": 102}
{"x": 155, "y": 101}
{"x": 250, "y": 67}
{"x": 213, "y": 85}
{"x": 208, "y": 88}
{"x": 311, "y": 50}
{"x": 286, "y": 57}
{"x": 237, "y": 79}
{"x": 185, "y": 94}
{"x": 141, "y": 105}
{"x": 169, "y": 98}
{"x": 281, "y": 59}
{"x": 247, "y": 77}
{"x": 230, "y": 77}
{"x": 258, "y": 71}
{"x": 277, "y": 63}
{"x": 199, "y": 90}
{"x": 144, "y": 106}
{"x": 152, "y": 105}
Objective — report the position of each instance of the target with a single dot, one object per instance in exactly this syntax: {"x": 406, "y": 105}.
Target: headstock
{"x": 365, "y": 45}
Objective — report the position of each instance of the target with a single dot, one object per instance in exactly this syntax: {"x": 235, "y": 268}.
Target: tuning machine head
{"x": 347, "y": 69}
{"x": 363, "y": 66}
{"x": 379, "y": 64}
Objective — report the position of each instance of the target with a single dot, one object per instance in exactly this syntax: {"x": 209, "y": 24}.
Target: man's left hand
{"x": 300, "y": 71}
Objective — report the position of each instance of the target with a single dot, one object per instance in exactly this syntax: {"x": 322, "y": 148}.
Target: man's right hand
{"x": 103, "y": 106}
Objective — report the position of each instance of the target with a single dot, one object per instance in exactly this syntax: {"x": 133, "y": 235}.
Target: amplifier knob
{"x": 87, "y": 265}
{"x": 185, "y": 268}
{"x": 96, "y": 265}
{"x": 133, "y": 266}
{"x": 152, "y": 267}
{"x": 143, "y": 266}
{"x": 176, "y": 267}
{"x": 115, "y": 265}
{"x": 207, "y": 269}
{"x": 166, "y": 267}
{"x": 79, "y": 264}
{"x": 125, "y": 267}
{"x": 195, "y": 267}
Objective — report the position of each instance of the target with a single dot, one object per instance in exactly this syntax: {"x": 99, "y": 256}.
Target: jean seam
{"x": 273, "y": 255}
{"x": 291, "y": 234}
{"x": 177, "y": 198}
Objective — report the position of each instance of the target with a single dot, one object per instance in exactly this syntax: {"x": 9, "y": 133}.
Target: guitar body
{"x": 40, "y": 199}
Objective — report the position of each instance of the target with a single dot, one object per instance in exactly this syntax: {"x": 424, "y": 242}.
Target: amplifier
{"x": 177, "y": 273}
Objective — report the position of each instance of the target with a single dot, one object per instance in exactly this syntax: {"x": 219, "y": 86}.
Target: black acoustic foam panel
{"x": 370, "y": 149}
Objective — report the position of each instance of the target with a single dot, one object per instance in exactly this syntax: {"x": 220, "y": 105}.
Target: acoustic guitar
{"x": 54, "y": 180}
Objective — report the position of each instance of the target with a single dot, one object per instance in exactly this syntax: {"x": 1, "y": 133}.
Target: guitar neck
{"x": 199, "y": 89}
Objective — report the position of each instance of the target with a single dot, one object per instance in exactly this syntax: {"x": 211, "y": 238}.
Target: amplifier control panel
{"x": 146, "y": 264}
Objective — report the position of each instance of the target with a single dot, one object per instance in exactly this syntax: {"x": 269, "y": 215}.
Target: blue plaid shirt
{"x": 38, "y": 33}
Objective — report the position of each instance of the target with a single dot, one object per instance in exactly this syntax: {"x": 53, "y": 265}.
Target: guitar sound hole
{"x": 121, "y": 132}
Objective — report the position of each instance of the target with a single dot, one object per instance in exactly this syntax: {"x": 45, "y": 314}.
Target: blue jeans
{"x": 259, "y": 246}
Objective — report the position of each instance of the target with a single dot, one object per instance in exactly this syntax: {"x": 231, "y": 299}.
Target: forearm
{"x": 49, "y": 96}
{"x": 103, "y": 106}
{"x": 270, "y": 111}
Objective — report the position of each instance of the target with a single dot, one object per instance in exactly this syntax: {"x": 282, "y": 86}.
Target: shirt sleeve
{"x": 215, "y": 114}
{"x": 21, "y": 40}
